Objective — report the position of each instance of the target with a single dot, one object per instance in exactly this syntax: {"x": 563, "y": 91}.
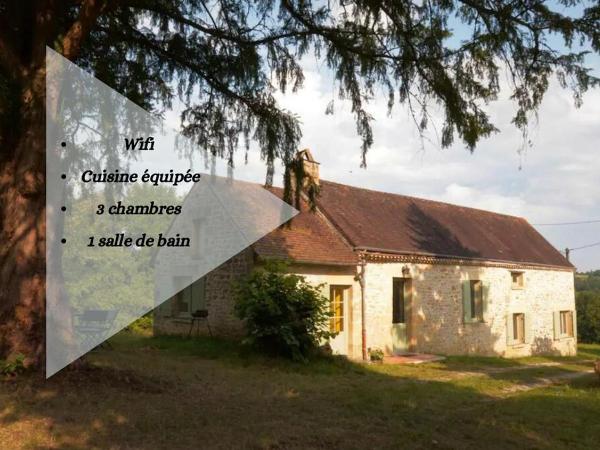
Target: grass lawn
{"x": 171, "y": 393}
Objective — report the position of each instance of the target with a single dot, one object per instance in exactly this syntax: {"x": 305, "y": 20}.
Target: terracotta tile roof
{"x": 309, "y": 238}
{"x": 399, "y": 224}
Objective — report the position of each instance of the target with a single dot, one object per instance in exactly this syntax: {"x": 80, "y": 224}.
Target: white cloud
{"x": 554, "y": 181}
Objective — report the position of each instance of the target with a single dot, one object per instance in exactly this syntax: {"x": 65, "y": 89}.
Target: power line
{"x": 584, "y": 222}
{"x": 568, "y": 251}
{"x": 585, "y": 246}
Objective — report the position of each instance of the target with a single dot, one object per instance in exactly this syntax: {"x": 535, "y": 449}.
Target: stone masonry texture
{"x": 436, "y": 319}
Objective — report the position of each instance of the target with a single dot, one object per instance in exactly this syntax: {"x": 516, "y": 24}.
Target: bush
{"x": 376, "y": 355}
{"x": 284, "y": 314}
{"x": 13, "y": 366}
{"x": 588, "y": 316}
{"x": 143, "y": 325}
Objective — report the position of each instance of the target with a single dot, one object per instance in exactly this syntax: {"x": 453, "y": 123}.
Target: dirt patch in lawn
{"x": 92, "y": 376}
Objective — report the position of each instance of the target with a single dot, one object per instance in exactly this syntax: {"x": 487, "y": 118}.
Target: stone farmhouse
{"x": 406, "y": 275}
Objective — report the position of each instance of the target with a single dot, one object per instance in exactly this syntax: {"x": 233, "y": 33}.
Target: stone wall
{"x": 219, "y": 301}
{"x": 437, "y": 309}
{"x": 436, "y": 321}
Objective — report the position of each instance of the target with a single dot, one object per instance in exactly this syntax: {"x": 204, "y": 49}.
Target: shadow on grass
{"x": 233, "y": 353}
{"x": 207, "y": 393}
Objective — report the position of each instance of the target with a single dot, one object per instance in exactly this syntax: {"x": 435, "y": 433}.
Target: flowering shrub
{"x": 284, "y": 314}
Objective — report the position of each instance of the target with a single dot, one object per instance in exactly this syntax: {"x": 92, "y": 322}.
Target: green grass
{"x": 175, "y": 393}
{"x": 589, "y": 351}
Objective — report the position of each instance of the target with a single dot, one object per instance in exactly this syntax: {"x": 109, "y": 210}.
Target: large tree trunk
{"x": 23, "y": 224}
{"x": 25, "y": 29}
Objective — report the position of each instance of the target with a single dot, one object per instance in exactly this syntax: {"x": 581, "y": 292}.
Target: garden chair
{"x": 94, "y": 325}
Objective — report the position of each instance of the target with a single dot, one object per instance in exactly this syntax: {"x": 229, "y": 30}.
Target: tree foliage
{"x": 588, "y": 306}
{"x": 588, "y": 316}
{"x": 225, "y": 59}
{"x": 283, "y": 313}
{"x": 113, "y": 278}
{"x": 589, "y": 281}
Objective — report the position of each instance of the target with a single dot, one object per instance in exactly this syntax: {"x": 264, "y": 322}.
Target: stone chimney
{"x": 304, "y": 166}
{"x": 311, "y": 167}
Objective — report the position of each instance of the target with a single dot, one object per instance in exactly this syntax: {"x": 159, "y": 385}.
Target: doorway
{"x": 401, "y": 314}
{"x": 340, "y": 321}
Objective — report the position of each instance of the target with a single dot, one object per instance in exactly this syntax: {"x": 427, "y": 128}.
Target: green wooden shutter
{"x": 556, "y": 325}
{"x": 199, "y": 294}
{"x": 165, "y": 308}
{"x": 466, "y": 291}
{"x": 575, "y": 324}
{"x": 407, "y": 300}
{"x": 528, "y": 328}
{"x": 510, "y": 338}
{"x": 485, "y": 298}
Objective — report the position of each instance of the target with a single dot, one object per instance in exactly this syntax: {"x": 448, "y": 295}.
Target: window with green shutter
{"x": 198, "y": 301}
{"x": 190, "y": 297}
{"x": 556, "y": 317}
{"x": 475, "y": 296}
{"x": 183, "y": 299}
{"x": 398, "y": 300}
{"x": 527, "y": 318}
{"x": 519, "y": 328}
{"x": 564, "y": 324}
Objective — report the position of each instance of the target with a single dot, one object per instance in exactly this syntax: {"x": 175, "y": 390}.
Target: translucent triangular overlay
{"x": 103, "y": 271}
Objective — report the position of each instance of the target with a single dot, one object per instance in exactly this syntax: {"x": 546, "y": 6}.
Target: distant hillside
{"x": 588, "y": 281}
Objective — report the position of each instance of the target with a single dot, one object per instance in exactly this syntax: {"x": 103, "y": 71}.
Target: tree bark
{"x": 23, "y": 226}
{"x": 23, "y": 171}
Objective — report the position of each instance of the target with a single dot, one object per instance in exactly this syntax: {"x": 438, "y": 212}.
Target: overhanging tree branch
{"x": 89, "y": 12}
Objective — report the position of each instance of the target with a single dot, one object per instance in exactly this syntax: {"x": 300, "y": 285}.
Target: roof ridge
{"x": 438, "y": 202}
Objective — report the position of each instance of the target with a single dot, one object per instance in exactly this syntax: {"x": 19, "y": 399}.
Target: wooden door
{"x": 400, "y": 315}
{"x": 339, "y": 297}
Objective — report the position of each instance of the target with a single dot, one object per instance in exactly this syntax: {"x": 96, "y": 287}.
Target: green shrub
{"x": 284, "y": 315}
{"x": 376, "y": 354}
{"x": 588, "y": 316}
{"x": 13, "y": 366}
{"x": 143, "y": 325}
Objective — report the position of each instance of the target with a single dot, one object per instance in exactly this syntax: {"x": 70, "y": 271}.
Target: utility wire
{"x": 585, "y": 246}
{"x": 569, "y": 250}
{"x": 565, "y": 223}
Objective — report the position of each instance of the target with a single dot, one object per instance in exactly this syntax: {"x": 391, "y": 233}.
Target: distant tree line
{"x": 587, "y": 287}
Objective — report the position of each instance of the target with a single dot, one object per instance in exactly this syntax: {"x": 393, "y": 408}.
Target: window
{"x": 476, "y": 301}
{"x": 566, "y": 323}
{"x": 519, "y": 328}
{"x": 183, "y": 298}
{"x": 475, "y": 293}
{"x": 518, "y": 280}
{"x": 190, "y": 297}
{"x": 336, "y": 295}
{"x": 518, "y": 324}
{"x": 398, "y": 303}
